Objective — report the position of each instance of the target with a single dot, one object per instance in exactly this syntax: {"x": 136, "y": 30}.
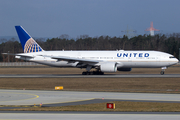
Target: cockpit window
{"x": 171, "y": 57}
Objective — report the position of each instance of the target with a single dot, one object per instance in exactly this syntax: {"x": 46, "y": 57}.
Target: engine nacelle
{"x": 124, "y": 69}
{"x": 108, "y": 67}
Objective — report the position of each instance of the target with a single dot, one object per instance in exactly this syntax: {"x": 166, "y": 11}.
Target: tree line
{"x": 169, "y": 43}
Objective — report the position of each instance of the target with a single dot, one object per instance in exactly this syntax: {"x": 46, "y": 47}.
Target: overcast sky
{"x": 52, "y": 18}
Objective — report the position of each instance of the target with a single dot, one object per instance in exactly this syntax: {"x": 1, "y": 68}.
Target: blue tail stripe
{"x": 23, "y": 35}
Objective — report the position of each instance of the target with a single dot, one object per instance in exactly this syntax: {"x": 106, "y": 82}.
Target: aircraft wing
{"x": 73, "y": 59}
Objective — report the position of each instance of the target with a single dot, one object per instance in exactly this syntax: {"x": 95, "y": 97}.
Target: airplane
{"x": 101, "y": 61}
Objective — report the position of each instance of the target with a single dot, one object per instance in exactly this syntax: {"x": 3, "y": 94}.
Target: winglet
{"x": 27, "y": 42}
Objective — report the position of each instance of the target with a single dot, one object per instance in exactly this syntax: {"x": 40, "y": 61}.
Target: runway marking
{"x": 20, "y": 99}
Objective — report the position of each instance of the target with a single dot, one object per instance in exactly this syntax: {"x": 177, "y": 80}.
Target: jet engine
{"x": 108, "y": 67}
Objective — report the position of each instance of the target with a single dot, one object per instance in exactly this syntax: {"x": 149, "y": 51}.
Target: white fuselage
{"x": 124, "y": 59}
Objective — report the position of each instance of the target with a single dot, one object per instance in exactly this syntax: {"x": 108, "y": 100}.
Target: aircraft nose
{"x": 177, "y": 60}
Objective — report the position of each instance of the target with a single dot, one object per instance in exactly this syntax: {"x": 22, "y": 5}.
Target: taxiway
{"x": 90, "y": 76}
{"x": 89, "y": 115}
{"x": 31, "y": 97}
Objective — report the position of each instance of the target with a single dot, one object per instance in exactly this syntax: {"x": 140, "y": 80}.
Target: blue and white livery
{"x": 102, "y": 61}
{"x": 28, "y": 43}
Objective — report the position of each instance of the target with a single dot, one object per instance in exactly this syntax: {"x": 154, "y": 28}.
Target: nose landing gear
{"x": 162, "y": 70}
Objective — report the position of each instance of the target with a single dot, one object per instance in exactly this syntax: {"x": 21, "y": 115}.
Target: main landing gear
{"x": 162, "y": 70}
{"x": 93, "y": 73}
{"x": 88, "y": 72}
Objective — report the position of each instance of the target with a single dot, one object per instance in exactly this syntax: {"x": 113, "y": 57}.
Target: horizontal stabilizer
{"x": 23, "y": 55}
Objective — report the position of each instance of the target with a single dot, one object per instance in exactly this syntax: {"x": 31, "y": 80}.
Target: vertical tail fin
{"x": 27, "y": 42}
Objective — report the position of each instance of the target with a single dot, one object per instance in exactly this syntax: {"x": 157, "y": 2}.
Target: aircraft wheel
{"x": 84, "y": 73}
{"x": 101, "y": 73}
{"x": 88, "y": 73}
{"x": 162, "y": 72}
{"x": 94, "y": 73}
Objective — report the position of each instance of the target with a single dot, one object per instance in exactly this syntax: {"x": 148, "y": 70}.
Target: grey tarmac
{"x": 31, "y": 97}
{"x": 89, "y": 116}
{"x": 90, "y": 76}
{"x": 48, "y": 98}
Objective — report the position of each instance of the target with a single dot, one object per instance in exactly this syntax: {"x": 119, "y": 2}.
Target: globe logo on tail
{"x": 32, "y": 46}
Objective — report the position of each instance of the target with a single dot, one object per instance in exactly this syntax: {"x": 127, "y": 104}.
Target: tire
{"x": 162, "y": 72}
{"x": 84, "y": 73}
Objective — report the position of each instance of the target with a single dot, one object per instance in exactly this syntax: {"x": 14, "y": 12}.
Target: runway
{"x": 65, "y": 98}
{"x": 31, "y": 97}
{"x": 90, "y": 76}
{"x": 89, "y": 115}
